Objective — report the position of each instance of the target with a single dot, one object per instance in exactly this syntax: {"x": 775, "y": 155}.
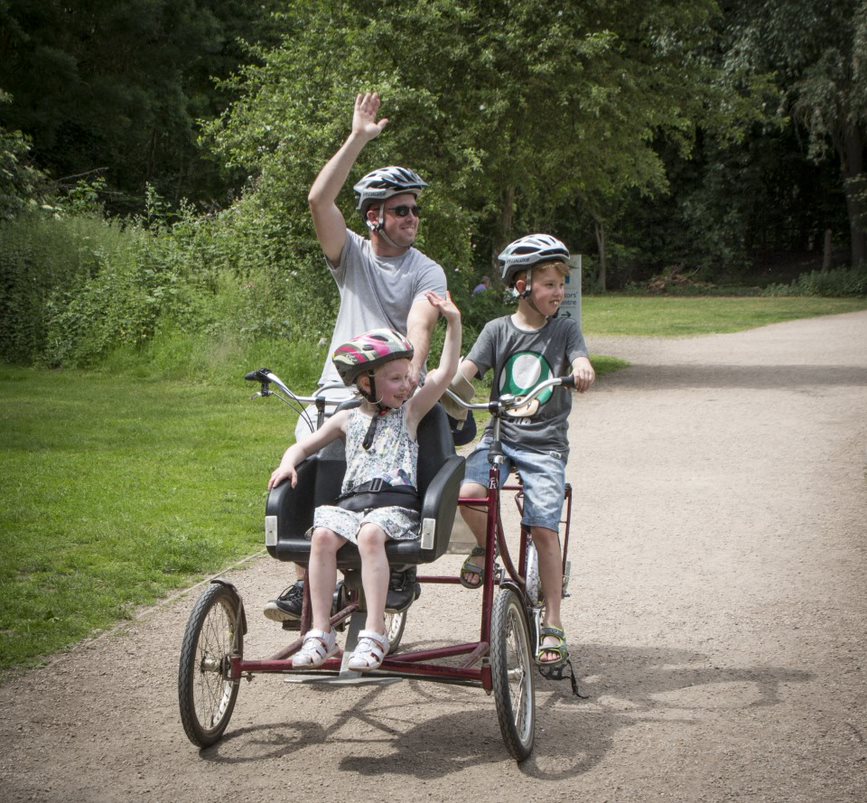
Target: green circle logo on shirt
{"x": 522, "y": 373}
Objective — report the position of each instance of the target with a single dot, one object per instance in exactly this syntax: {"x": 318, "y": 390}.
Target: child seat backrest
{"x": 435, "y": 445}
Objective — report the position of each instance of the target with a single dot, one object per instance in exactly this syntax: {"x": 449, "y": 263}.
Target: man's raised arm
{"x": 327, "y": 217}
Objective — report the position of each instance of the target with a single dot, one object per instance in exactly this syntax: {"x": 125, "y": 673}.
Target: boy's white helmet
{"x": 385, "y": 182}
{"x": 527, "y": 251}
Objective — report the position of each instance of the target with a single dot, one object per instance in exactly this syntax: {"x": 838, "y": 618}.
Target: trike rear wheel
{"x": 512, "y": 674}
{"x": 206, "y": 692}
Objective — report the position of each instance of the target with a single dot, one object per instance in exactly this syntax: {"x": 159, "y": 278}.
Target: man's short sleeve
{"x": 430, "y": 277}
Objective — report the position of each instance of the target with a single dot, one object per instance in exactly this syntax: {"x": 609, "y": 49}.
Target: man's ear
{"x": 372, "y": 218}
{"x": 521, "y": 286}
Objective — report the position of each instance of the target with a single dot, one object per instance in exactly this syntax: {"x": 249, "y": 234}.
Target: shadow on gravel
{"x": 435, "y": 730}
{"x": 750, "y": 377}
{"x": 626, "y": 686}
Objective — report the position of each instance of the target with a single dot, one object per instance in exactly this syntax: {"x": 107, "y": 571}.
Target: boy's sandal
{"x": 560, "y": 648}
{"x": 317, "y": 647}
{"x": 470, "y": 570}
{"x": 370, "y": 651}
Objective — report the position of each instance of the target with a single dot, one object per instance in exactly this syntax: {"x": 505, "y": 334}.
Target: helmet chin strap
{"x": 381, "y": 409}
{"x": 379, "y": 228}
{"x": 527, "y": 296}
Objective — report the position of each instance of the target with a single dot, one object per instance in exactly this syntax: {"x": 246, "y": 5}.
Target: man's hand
{"x": 364, "y": 123}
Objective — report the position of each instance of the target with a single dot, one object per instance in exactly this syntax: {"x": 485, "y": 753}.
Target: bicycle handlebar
{"x": 509, "y": 401}
{"x": 266, "y": 377}
{"x": 496, "y": 407}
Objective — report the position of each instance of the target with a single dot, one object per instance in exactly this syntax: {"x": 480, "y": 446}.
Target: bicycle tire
{"x": 206, "y": 694}
{"x": 395, "y": 623}
{"x": 513, "y": 674}
{"x": 533, "y": 580}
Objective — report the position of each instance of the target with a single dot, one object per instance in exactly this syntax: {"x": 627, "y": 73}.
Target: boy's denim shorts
{"x": 542, "y": 473}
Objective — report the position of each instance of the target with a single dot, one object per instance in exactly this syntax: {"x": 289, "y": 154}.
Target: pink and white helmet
{"x": 366, "y": 352}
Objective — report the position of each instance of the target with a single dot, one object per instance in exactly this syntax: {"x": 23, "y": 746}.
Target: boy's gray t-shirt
{"x": 520, "y": 360}
{"x": 377, "y": 292}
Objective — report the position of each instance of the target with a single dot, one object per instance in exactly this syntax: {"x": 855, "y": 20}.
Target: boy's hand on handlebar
{"x": 583, "y": 374}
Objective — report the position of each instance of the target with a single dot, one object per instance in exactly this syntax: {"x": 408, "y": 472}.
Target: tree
{"x": 21, "y": 184}
{"x": 115, "y": 87}
{"x": 818, "y": 52}
{"x": 513, "y": 110}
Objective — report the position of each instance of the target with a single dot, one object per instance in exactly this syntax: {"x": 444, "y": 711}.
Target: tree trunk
{"x": 826, "y": 251}
{"x": 599, "y": 227}
{"x": 854, "y": 185}
{"x": 507, "y": 215}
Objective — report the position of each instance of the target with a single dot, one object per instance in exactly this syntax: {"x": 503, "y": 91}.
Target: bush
{"x": 75, "y": 287}
{"x": 43, "y": 256}
{"x": 844, "y": 282}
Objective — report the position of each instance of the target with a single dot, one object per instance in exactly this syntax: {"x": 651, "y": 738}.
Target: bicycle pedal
{"x": 559, "y": 673}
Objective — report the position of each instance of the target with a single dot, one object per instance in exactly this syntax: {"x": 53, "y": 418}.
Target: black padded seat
{"x": 289, "y": 511}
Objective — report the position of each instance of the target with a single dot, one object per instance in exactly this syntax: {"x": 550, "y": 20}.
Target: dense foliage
{"x": 716, "y": 142}
{"x": 115, "y": 87}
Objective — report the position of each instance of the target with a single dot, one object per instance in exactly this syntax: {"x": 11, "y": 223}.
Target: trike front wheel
{"x": 206, "y": 692}
{"x": 512, "y": 674}
{"x": 394, "y": 627}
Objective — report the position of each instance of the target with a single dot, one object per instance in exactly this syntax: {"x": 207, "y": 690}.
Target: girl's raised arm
{"x": 439, "y": 378}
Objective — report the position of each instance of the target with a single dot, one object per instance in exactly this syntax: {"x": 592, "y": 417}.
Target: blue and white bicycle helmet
{"x": 385, "y": 182}
{"x": 527, "y": 251}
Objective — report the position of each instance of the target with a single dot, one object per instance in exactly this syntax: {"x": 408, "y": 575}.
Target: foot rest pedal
{"x": 344, "y": 679}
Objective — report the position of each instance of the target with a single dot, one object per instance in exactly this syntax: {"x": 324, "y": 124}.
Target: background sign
{"x": 571, "y": 306}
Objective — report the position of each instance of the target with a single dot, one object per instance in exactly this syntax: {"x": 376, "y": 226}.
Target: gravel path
{"x": 718, "y": 609}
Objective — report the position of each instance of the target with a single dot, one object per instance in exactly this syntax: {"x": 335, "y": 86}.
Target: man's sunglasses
{"x": 403, "y": 210}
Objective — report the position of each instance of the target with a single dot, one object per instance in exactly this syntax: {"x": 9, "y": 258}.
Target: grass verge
{"x": 117, "y": 492}
{"x": 668, "y": 316}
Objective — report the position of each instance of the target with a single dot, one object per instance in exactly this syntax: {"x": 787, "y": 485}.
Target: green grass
{"x": 120, "y": 487}
{"x": 665, "y": 316}
{"x": 116, "y": 492}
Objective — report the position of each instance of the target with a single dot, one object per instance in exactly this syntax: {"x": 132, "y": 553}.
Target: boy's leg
{"x": 473, "y": 567}
{"x": 476, "y": 518}
{"x": 475, "y": 485}
{"x": 375, "y": 573}
{"x": 322, "y": 575}
{"x": 551, "y": 573}
{"x": 544, "y": 479}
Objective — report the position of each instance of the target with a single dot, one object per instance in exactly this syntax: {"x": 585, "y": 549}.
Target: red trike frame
{"x": 502, "y": 661}
{"x": 422, "y": 663}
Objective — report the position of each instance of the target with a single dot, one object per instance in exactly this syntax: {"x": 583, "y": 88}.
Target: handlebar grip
{"x": 258, "y": 376}
{"x": 568, "y": 381}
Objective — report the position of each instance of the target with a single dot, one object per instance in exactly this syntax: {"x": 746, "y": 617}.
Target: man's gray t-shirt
{"x": 521, "y": 359}
{"x": 377, "y": 292}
